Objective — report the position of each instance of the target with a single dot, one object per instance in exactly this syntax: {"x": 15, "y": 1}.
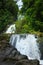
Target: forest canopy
{"x": 31, "y": 14}
{"x": 32, "y": 10}
{"x": 8, "y": 13}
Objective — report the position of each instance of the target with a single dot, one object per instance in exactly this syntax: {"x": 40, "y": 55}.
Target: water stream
{"x": 11, "y": 29}
{"x": 27, "y": 45}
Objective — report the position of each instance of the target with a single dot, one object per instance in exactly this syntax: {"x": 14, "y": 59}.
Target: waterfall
{"x": 11, "y": 29}
{"x": 26, "y": 44}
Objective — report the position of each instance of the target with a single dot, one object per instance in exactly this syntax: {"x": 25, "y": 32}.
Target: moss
{"x": 4, "y": 37}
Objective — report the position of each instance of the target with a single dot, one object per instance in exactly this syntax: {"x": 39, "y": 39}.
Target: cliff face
{"x": 10, "y": 56}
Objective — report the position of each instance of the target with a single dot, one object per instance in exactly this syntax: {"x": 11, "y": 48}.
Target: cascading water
{"x": 26, "y": 44}
{"x": 11, "y": 29}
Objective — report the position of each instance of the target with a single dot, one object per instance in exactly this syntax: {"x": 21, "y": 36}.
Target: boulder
{"x": 27, "y": 62}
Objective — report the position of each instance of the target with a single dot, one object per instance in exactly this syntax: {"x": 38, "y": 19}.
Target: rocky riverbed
{"x": 10, "y": 55}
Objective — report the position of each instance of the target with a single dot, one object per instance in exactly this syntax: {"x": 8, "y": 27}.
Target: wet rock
{"x": 0, "y": 45}
{"x": 27, "y": 62}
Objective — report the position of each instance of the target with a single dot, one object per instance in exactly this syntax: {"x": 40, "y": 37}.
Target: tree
{"x": 8, "y": 13}
{"x": 34, "y": 10}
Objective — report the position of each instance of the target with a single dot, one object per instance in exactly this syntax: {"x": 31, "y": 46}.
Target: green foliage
{"x": 33, "y": 10}
{"x": 28, "y": 25}
{"x": 25, "y": 29}
{"x": 8, "y": 13}
{"x": 24, "y": 25}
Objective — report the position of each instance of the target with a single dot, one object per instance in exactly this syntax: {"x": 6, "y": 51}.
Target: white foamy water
{"x": 41, "y": 62}
{"x": 26, "y": 45}
{"x": 11, "y": 29}
{"x": 19, "y": 3}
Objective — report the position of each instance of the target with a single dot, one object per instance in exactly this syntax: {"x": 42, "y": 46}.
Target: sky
{"x": 19, "y": 4}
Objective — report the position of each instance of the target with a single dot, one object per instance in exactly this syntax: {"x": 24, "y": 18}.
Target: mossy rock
{"x": 4, "y": 37}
